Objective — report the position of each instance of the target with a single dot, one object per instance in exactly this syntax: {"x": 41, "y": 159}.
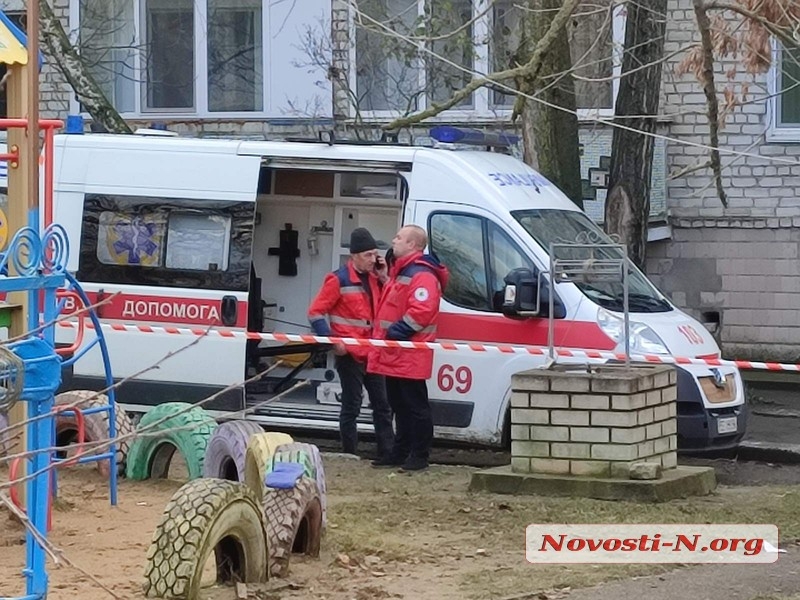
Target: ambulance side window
{"x": 166, "y": 242}
{"x": 504, "y": 257}
{"x": 197, "y": 241}
{"x": 458, "y": 241}
{"x": 479, "y": 255}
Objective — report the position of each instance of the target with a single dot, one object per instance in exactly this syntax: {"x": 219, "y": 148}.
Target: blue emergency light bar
{"x": 457, "y": 135}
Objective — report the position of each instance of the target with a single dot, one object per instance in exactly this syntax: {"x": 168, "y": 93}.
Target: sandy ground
{"x": 398, "y": 536}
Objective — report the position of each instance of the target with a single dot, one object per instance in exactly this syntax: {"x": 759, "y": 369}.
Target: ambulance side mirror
{"x": 521, "y": 294}
{"x": 527, "y": 294}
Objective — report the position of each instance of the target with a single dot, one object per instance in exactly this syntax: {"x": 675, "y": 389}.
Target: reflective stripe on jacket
{"x": 342, "y": 307}
{"x": 409, "y": 310}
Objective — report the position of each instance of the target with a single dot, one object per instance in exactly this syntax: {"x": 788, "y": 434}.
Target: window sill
{"x": 220, "y": 118}
{"x": 473, "y": 116}
{"x": 783, "y": 135}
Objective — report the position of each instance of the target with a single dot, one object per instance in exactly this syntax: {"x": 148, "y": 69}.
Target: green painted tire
{"x": 169, "y": 428}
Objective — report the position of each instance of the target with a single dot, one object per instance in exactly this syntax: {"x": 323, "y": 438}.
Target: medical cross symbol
{"x": 135, "y": 239}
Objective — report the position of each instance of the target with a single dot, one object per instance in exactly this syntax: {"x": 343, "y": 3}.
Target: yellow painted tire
{"x": 259, "y": 453}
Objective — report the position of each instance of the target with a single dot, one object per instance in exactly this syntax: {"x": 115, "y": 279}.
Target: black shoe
{"x": 414, "y": 464}
{"x": 387, "y": 462}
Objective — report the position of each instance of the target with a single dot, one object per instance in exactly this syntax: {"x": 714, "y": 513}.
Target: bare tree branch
{"x": 529, "y": 68}
{"x": 710, "y": 90}
{"x": 69, "y": 63}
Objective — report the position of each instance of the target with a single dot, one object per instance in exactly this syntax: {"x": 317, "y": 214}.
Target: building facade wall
{"x": 739, "y": 263}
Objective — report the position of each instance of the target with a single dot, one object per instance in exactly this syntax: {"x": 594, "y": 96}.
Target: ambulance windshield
{"x": 554, "y": 226}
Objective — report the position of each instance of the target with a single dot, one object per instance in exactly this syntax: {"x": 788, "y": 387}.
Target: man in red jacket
{"x": 409, "y": 310}
{"x": 348, "y": 299}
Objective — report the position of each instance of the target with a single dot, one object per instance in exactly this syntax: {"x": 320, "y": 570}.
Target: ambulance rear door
{"x": 166, "y": 242}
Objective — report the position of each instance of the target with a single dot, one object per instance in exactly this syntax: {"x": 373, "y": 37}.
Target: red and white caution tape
{"x": 449, "y": 346}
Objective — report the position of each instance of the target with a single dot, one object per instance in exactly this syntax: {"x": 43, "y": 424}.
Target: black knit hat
{"x": 361, "y": 240}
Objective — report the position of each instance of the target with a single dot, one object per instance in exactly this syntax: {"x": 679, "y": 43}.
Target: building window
{"x": 591, "y": 35}
{"x": 503, "y": 44}
{"x": 184, "y": 56}
{"x": 788, "y": 113}
{"x": 170, "y": 54}
{"x": 235, "y": 56}
{"x": 396, "y": 76}
{"x": 784, "y": 96}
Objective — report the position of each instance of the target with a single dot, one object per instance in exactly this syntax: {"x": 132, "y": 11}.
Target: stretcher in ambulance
{"x": 178, "y": 232}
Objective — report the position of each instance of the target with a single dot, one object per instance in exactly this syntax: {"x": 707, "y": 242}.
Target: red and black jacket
{"x": 409, "y": 310}
{"x": 343, "y": 308}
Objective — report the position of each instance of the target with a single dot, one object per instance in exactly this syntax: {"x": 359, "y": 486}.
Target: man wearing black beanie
{"x": 348, "y": 300}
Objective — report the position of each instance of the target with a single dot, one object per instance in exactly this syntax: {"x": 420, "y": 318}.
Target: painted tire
{"x": 259, "y": 452}
{"x": 169, "y": 429}
{"x": 227, "y": 449}
{"x": 96, "y": 425}
{"x": 206, "y": 517}
{"x": 294, "y": 523}
{"x": 309, "y": 456}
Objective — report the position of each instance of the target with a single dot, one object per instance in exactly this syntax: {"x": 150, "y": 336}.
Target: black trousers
{"x": 412, "y": 411}
{"x": 354, "y": 378}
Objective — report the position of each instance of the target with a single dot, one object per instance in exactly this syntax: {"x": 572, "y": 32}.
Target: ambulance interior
{"x": 304, "y": 218}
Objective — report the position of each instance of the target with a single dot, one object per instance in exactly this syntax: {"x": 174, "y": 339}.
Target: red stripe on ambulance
{"x": 161, "y": 309}
{"x": 533, "y": 332}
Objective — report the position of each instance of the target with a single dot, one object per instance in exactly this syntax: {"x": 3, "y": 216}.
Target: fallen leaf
{"x": 464, "y": 510}
{"x": 378, "y": 574}
{"x": 343, "y": 560}
{"x": 384, "y": 491}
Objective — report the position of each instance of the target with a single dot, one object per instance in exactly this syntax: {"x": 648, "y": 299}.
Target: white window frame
{"x": 482, "y": 109}
{"x": 200, "y": 110}
{"x": 776, "y": 132}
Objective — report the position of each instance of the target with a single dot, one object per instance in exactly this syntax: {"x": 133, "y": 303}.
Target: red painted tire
{"x": 96, "y": 425}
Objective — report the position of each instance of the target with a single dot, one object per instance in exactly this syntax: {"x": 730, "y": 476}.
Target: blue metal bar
{"x": 21, "y": 284}
{"x": 112, "y": 398}
{"x": 39, "y": 436}
{"x": 80, "y": 354}
{"x": 87, "y": 459}
{"x": 88, "y": 411}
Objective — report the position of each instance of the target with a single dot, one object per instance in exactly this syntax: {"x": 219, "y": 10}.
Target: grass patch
{"x": 432, "y": 518}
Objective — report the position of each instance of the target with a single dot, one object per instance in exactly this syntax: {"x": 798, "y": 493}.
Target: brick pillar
{"x": 597, "y": 423}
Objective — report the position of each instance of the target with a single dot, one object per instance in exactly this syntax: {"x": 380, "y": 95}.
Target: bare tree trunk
{"x": 553, "y": 132}
{"x": 69, "y": 62}
{"x": 628, "y": 203}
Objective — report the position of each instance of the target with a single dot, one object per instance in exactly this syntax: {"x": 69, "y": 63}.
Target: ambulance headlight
{"x": 643, "y": 340}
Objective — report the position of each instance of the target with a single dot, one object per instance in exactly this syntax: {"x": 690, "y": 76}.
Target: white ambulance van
{"x": 239, "y": 234}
